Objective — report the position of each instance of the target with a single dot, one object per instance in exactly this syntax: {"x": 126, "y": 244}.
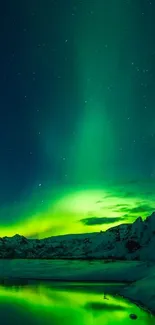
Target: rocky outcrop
{"x": 126, "y": 242}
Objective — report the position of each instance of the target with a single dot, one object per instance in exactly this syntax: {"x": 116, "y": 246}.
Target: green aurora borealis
{"x": 71, "y": 211}
{"x": 94, "y": 125}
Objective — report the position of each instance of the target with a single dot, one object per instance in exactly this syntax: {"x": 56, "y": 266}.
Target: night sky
{"x": 77, "y": 115}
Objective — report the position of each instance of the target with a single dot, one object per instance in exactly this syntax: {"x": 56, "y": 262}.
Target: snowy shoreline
{"x": 142, "y": 292}
{"x": 139, "y": 277}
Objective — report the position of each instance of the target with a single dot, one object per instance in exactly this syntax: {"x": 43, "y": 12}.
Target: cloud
{"x": 121, "y": 205}
{"x": 121, "y": 208}
{"x": 137, "y": 210}
{"x": 142, "y": 208}
{"x": 100, "y": 221}
{"x": 129, "y": 217}
{"x": 124, "y": 209}
{"x": 107, "y": 196}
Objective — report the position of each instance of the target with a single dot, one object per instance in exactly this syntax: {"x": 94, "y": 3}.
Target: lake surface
{"x": 57, "y": 303}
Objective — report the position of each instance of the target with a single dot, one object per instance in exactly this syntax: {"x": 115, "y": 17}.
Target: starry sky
{"x": 77, "y": 115}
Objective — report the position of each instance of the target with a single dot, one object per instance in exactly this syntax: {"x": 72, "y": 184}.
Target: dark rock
{"x": 133, "y": 316}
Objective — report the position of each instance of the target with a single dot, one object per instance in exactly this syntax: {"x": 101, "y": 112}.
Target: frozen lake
{"x": 73, "y": 270}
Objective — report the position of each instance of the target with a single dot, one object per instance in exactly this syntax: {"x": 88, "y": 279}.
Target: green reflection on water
{"x": 57, "y": 304}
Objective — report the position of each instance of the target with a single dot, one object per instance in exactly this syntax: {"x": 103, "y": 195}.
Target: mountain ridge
{"x": 132, "y": 241}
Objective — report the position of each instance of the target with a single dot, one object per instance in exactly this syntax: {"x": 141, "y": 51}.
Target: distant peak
{"x": 17, "y": 235}
{"x": 139, "y": 219}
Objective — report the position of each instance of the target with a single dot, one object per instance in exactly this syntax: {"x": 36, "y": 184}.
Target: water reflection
{"x": 62, "y": 303}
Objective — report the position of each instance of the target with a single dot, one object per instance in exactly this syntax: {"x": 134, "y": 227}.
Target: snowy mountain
{"x": 125, "y": 242}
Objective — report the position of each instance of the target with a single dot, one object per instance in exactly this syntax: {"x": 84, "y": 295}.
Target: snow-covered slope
{"x": 127, "y": 242}
{"x": 142, "y": 291}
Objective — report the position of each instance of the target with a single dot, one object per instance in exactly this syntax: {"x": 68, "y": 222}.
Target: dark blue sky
{"x": 32, "y": 57}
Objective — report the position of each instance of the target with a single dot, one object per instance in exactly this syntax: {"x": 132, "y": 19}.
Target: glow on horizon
{"x": 63, "y": 215}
